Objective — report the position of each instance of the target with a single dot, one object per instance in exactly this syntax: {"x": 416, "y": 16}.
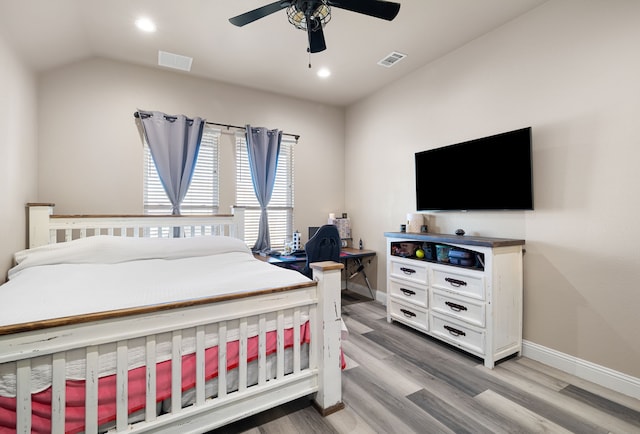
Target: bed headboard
{"x": 47, "y": 228}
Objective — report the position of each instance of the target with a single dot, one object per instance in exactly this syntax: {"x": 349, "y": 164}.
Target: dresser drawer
{"x": 461, "y": 308}
{"x": 456, "y": 333}
{"x": 410, "y": 315}
{"x": 412, "y": 271}
{"x": 407, "y": 292}
{"x": 465, "y": 282}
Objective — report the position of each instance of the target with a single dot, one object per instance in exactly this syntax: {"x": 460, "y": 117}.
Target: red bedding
{"x": 75, "y": 390}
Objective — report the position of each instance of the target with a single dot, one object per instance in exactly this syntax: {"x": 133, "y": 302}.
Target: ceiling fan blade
{"x": 316, "y": 38}
{"x": 261, "y": 12}
{"x": 374, "y": 8}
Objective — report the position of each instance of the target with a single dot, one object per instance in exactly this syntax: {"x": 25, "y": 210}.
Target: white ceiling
{"x": 268, "y": 54}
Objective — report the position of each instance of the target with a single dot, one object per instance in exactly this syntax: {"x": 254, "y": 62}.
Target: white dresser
{"x": 465, "y": 290}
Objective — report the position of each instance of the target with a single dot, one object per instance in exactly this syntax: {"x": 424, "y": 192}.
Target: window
{"x": 280, "y": 209}
{"x": 202, "y": 197}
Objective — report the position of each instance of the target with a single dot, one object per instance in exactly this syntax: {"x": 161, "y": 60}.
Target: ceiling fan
{"x": 312, "y": 15}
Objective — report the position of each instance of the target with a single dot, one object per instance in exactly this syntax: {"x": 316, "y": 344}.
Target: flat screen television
{"x": 489, "y": 173}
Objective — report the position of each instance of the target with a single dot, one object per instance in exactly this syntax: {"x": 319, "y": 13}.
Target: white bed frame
{"x": 322, "y": 380}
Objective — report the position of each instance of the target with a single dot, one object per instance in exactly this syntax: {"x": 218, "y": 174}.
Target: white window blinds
{"x": 280, "y": 209}
{"x": 202, "y": 197}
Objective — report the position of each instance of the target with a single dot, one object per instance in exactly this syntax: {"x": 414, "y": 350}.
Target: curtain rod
{"x": 296, "y": 136}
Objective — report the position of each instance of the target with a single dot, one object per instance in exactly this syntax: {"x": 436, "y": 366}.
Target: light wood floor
{"x": 401, "y": 381}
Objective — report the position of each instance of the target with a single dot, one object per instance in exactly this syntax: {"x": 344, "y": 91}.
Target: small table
{"x": 346, "y": 254}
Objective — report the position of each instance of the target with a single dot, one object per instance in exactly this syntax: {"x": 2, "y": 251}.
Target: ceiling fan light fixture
{"x": 320, "y": 16}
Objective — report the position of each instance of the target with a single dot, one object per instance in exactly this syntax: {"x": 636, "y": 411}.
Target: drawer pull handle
{"x": 407, "y": 270}
{"x": 455, "y": 307}
{"x": 455, "y": 332}
{"x": 407, "y": 292}
{"x": 455, "y": 282}
{"x": 407, "y": 313}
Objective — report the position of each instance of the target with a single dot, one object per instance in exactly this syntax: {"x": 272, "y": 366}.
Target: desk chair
{"x": 323, "y": 246}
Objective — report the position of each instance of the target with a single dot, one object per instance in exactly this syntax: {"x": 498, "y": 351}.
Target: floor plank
{"x": 524, "y": 420}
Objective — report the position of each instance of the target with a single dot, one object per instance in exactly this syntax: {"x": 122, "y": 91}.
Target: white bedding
{"x": 105, "y": 273}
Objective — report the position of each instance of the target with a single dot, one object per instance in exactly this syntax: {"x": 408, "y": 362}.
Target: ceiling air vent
{"x": 392, "y": 59}
{"x": 175, "y": 61}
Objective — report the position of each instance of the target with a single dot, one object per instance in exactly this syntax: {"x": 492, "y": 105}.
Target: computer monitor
{"x": 313, "y": 230}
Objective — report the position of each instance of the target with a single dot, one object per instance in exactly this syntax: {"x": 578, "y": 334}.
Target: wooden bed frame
{"x": 321, "y": 380}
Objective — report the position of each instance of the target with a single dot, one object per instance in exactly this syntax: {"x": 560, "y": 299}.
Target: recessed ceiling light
{"x": 324, "y": 73}
{"x": 146, "y": 25}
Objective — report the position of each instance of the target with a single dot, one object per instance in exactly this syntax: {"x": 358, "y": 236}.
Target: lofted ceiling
{"x": 268, "y": 54}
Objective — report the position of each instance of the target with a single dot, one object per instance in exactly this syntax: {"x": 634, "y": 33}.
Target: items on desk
{"x": 267, "y": 252}
{"x": 344, "y": 226}
{"x": 296, "y": 241}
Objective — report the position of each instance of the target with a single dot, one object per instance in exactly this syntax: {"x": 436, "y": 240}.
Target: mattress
{"x": 105, "y": 273}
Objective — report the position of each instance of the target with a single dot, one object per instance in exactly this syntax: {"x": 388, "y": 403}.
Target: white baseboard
{"x": 379, "y": 296}
{"x": 364, "y": 291}
{"x": 598, "y": 374}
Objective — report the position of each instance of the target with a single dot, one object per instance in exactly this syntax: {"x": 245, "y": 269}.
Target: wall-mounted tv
{"x": 489, "y": 173}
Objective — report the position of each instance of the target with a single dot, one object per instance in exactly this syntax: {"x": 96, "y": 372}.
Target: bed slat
{"x": 122, "y": 387}
{"x": 150, "y": 350}
{"x": 296, "y": 340}
{"x": 200, "y": 365}
{"x": 58, "y": 393}
{"x": 176, "y": 371}
{"x": 222, "y": 359}
{"x": 91, "y": 390}
{"x": 262, "y": 350}
{"x": 313, "y": 350}
{"x": 280, "y": 345}
{"x": 23, "y": 398}
{"x": 242, "y": 355}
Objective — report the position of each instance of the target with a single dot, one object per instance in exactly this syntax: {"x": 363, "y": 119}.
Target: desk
{"x": 346, "y": 254}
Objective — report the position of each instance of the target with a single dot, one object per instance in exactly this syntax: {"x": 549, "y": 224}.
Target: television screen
{"x": 490, "y": 173}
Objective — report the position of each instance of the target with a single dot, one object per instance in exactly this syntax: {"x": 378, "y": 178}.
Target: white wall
{"x": 18, "y": 163}
{"x": 570, "y": 70}
{"x": 90, "y": 153}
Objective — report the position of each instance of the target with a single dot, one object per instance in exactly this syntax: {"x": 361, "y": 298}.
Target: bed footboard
{"x": 264, "y": 376}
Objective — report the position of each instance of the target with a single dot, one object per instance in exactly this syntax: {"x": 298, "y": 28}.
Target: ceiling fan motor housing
{"x": 304, "y": 14}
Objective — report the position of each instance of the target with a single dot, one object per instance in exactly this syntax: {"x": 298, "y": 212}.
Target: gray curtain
{"x": 174, "y": 142}
{"x": 263, "y": 148}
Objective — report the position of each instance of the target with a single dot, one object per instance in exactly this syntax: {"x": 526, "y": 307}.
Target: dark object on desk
{"x": 298, "y": 253}
{"x": 323, "y": 246}
{"x": 460, "y": 232}
{"x": 274, "y": 253}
